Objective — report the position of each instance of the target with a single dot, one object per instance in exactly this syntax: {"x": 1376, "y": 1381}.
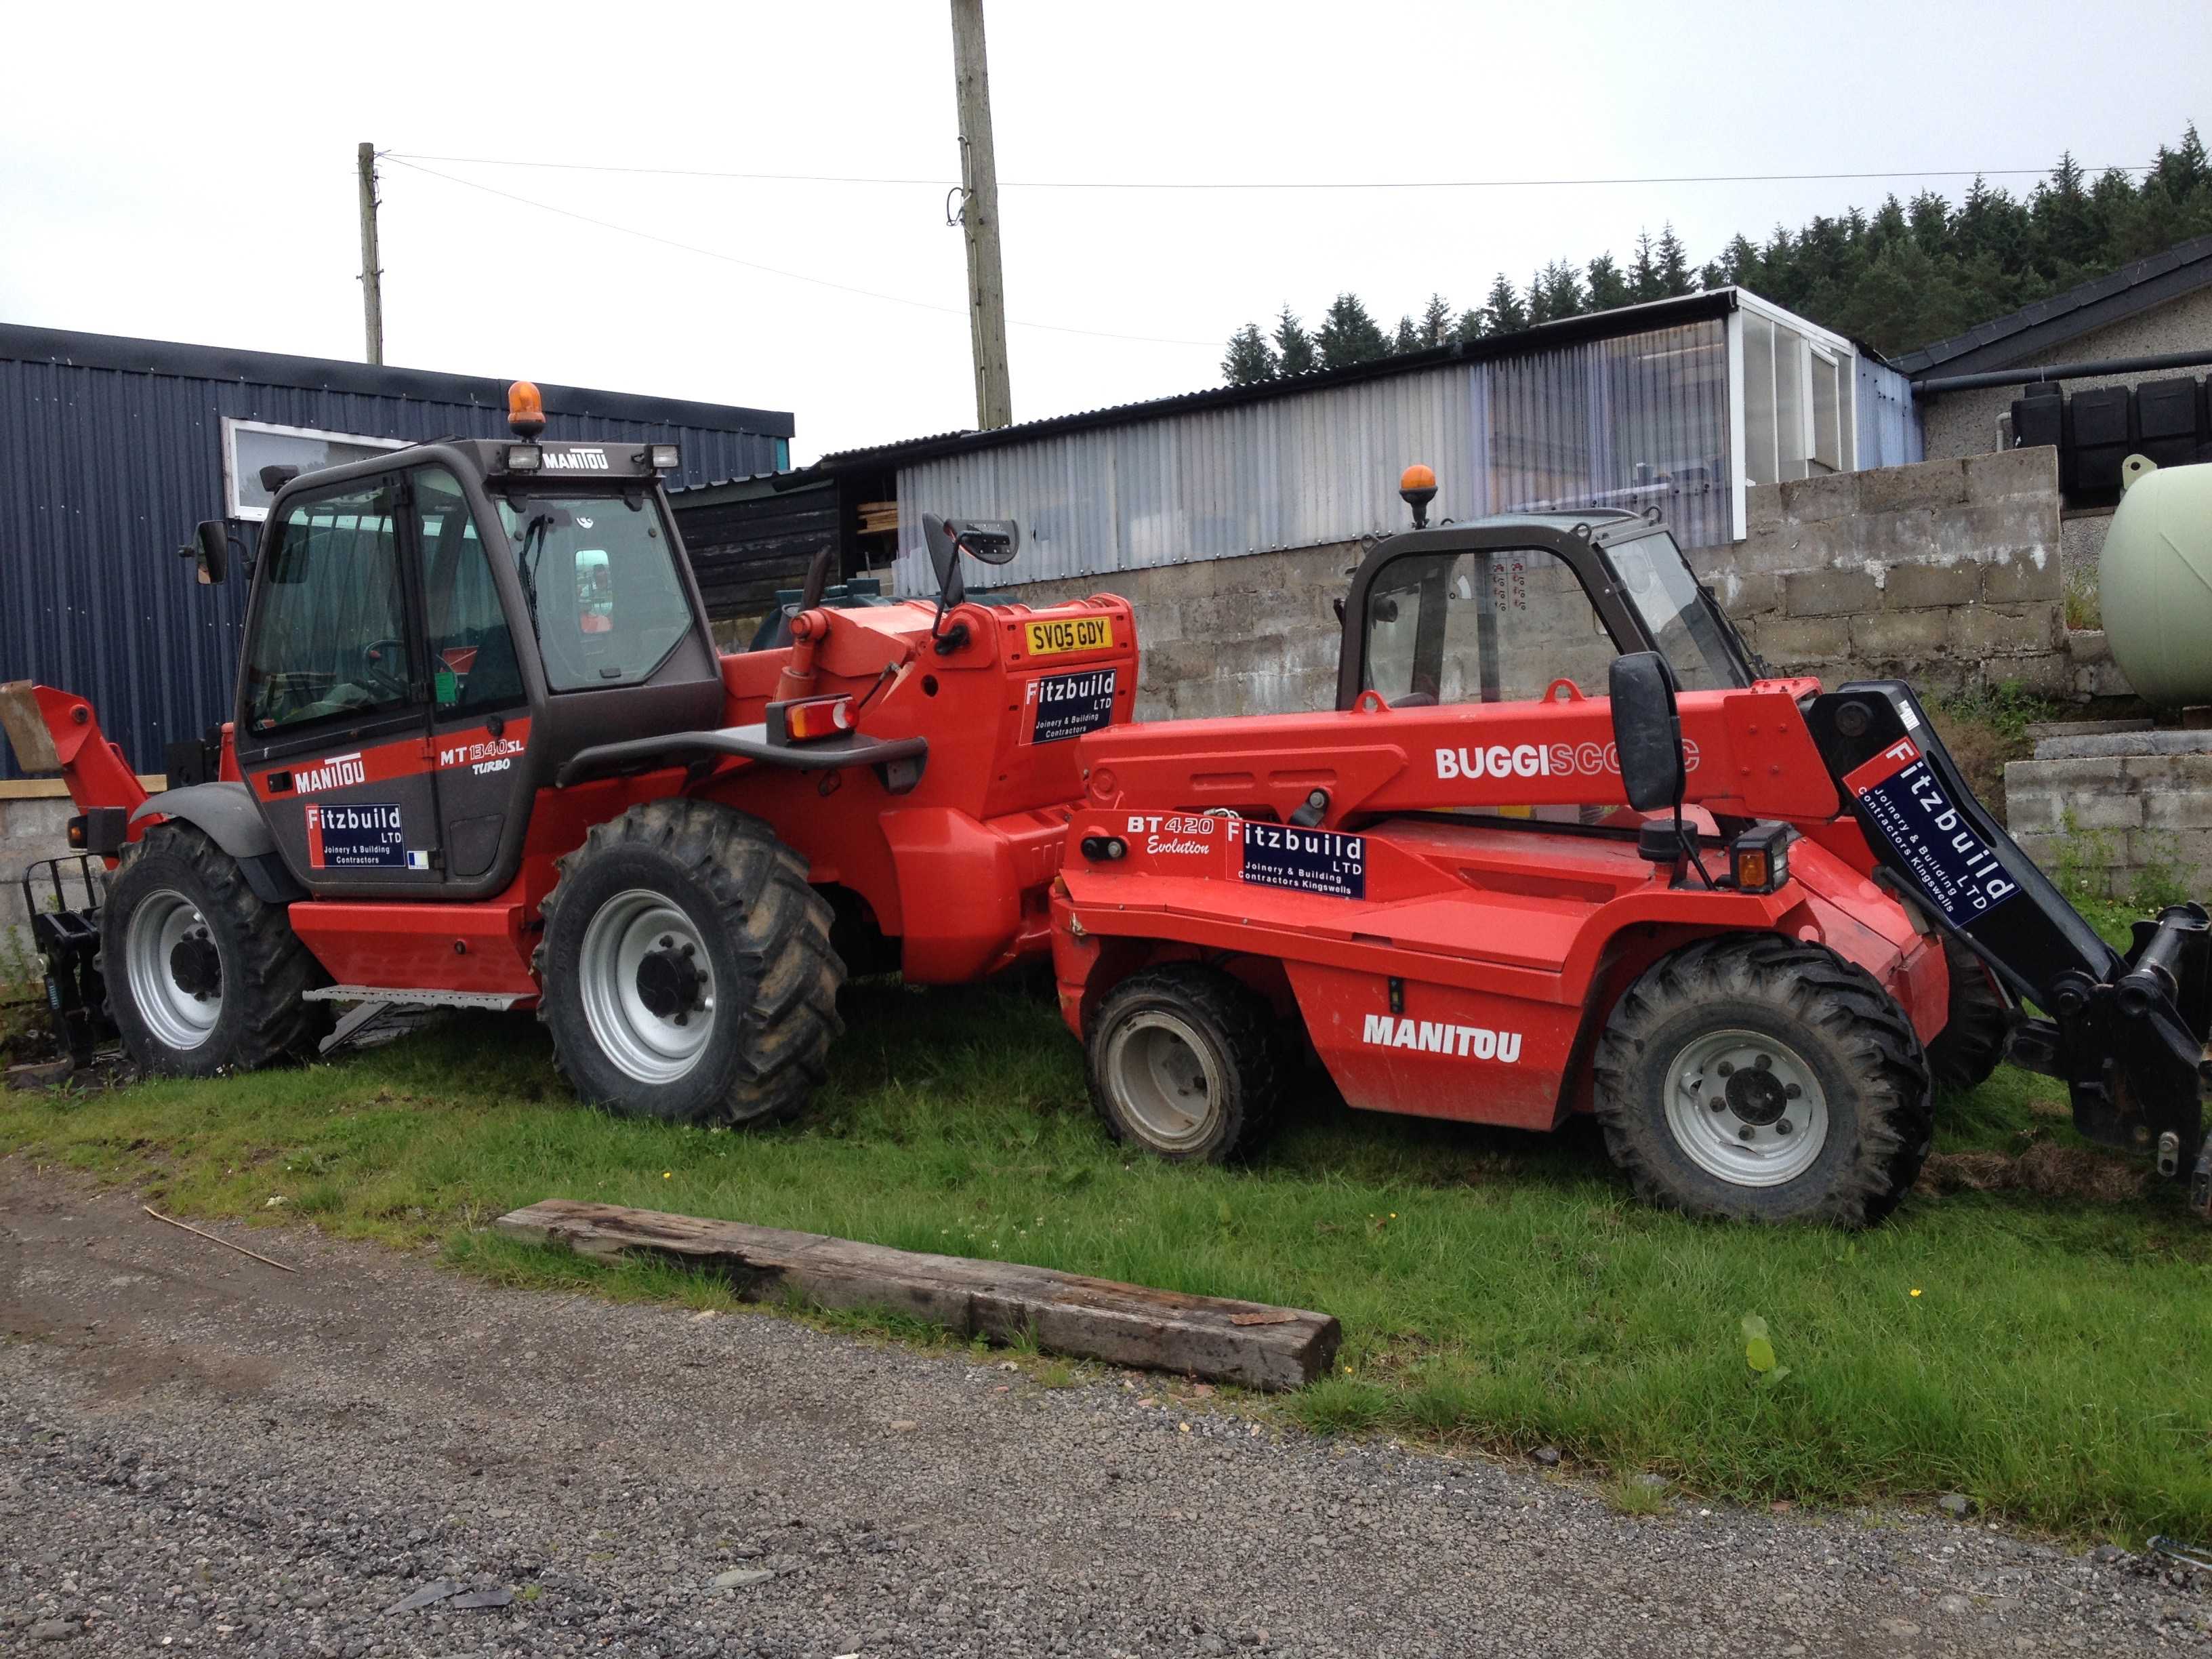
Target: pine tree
{"x": 1907, "y": 273}
{"x": 1674, "y": 265}
{"x": 1436, "y": 324}
{"x": 1407, "y": 338}
{"x": 1294, "y": 347}
{"x": 1554, "y": 292}
{"x": 1502, "y": 310}
{"x": 1250, "y": 360}
{"x": 1644, "y": 273}
{"x": 1608, "y": 288}
{"x": 1348, "y": 335}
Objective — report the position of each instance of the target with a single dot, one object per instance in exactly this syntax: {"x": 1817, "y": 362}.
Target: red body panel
{"x": 1455, "y": 968}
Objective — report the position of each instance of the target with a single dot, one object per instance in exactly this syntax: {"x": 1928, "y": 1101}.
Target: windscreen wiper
{"x": 525, "y": 564}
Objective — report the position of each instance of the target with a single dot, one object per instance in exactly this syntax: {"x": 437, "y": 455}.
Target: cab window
{"x": 1494, "y": 626}
{"x": 598, "y": 573}
{"x": 330, "y": 638}
{"x": 473, "y": 666}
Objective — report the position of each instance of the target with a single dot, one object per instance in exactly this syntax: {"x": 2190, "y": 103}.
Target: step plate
{"x": 401, "y": 995}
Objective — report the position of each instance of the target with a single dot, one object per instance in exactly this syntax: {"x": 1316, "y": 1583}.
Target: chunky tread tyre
{"x": 1870, "y": 1065}
{"x": 1978, "y": 1027}
{"x": 1237, "y": 1027}
{"x": 265, "y": 969}
{"x": 766, "y": 930}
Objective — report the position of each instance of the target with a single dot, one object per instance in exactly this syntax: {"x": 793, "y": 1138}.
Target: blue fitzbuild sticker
{"x": 1063, "y": 706}
{"x": 358, "y": 836}
{"x": 1309, "y": 861}
{"x": 1952, "y": 867}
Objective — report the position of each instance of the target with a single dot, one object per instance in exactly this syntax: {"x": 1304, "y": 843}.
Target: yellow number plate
{"x": 1052, "y": 639}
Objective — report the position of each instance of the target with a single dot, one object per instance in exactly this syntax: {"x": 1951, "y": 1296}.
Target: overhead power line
{"x": 1265, "y": 184}
{"x": 772, "y": 270}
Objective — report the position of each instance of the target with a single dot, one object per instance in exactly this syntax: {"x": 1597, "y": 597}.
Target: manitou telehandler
{"x": 1564, "y": 846}
{"x": 485, "y": 754}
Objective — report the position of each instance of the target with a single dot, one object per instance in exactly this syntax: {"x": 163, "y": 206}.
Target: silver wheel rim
{"x": 1747, "y": 1108}
{"x": 646, "y": 1046}
{"x": 1165, "y": 1080}
{"x": 179, "y": 1019}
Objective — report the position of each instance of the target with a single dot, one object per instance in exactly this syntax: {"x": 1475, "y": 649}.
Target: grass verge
{"x": 1498, "y": 1290}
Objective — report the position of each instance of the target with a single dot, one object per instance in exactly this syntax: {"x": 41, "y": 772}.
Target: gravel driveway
{"x": 197, "y": 1452}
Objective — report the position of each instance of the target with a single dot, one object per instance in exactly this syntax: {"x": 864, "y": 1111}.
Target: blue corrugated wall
{"x": 104, "y": 472}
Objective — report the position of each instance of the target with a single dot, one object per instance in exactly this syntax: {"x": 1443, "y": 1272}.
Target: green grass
{"x": 1499, "y": 1290}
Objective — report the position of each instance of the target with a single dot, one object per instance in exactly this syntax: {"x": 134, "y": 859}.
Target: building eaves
{"x": 2030, "y": 334}
{"x": 21, "y": 342}
{"x": 1569, "y": 331}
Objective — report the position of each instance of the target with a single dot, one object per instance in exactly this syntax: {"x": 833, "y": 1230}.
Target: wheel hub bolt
{"x": 1746, "y": 1132}
{"x": 1782, "y": 1125}
{"x": 1764, "y": 1063}
{"x": 1791, "y": 1090}
{"x": 1725, "y": 1069}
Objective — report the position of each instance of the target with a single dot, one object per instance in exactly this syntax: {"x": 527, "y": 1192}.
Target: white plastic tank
{"x": 2154, "y": 582}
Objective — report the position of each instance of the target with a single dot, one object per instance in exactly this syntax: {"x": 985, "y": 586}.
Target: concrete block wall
{"x": 2106, "y": 810}
{"x": 1251, "y": 636}
{"x": 1945, "y": 573}
{"x": 31, "y": 827}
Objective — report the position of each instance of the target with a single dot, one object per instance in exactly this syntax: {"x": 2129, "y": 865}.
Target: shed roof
{"x": 2029, "y": 334}
{"x": 21, "y": 342}
{"x": 1568, "y": 330}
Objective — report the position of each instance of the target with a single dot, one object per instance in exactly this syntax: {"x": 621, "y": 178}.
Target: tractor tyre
{"x": 1185, "y": 1063}
{"x": 203, "y": 976}
{"x": 687, "y": 970}
{"x": 1978, "y": 1030}
{"x": 1755, "y": 1078}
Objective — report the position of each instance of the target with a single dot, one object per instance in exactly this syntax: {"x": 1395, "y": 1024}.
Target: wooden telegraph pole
{"x": 979, "y": 212}
{"x": 371, "y": 273}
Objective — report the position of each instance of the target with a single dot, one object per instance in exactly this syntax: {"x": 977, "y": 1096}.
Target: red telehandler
{"x": 486, "y": 755}
{"x": 1565, "y": 846}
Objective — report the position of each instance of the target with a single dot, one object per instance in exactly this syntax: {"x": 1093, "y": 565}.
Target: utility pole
{"x": 371, "y": 273}
{"x": 979, "y": 212}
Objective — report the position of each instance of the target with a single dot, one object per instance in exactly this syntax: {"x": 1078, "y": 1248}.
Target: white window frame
{"x": 1808, "y": 337}
{"x": 232, "y": 426}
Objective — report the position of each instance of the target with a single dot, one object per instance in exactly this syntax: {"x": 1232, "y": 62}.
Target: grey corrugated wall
{"x": 103, "y": 473}
{"x": 1636, "y": 421}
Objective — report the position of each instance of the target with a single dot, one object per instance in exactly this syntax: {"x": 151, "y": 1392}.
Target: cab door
{"x": 480, "y": 701}
{"x": 334, "y": 696}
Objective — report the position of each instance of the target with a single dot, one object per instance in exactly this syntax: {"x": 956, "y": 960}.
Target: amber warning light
{"x": 526, "y": 410}
{"x": 1416, "y": 487}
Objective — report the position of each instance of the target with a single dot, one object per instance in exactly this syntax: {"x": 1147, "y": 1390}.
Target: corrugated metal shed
{"x": 1889, "y": 425}
{"x": 1635, "y": 417}
{"x": 110, "y": 450}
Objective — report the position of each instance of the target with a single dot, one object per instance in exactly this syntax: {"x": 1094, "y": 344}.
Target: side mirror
{"x": 1646, "y": 731}
{"x": 945, "y": 560}
{"x": 209, "y": 550}
{"x": 994, "y": 541}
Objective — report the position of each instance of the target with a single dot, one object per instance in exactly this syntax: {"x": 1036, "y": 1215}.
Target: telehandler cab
{"x": 1564, "y": 846}
{"x": 486, "y": 755}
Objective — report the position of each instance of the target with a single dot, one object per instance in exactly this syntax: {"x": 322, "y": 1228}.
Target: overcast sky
{"x": 186, "y": 173}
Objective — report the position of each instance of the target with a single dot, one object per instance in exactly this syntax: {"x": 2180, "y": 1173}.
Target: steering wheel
{"x": 373, "y": 669}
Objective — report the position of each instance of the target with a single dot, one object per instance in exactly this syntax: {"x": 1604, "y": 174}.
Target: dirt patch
{"x": 2046, "y": 1170}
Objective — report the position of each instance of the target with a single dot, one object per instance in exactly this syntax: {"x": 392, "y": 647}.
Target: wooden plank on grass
{"x": 1212, "y": 1337}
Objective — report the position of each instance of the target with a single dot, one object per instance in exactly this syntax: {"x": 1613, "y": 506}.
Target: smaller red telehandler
{"x": 1564, "y": 846}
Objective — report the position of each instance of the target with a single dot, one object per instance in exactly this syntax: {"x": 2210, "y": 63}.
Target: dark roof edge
{"x": 1568, "y": 330}
{"x": 24, "y": 343}
{"x": 2018, "y": 336}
